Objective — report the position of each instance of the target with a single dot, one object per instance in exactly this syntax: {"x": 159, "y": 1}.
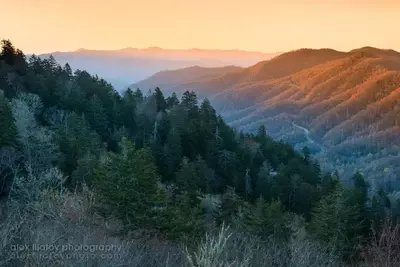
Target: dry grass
{"x": 233, "y": 249}
{"x": 384, "y": 248}
{"x": 67, "y": 221}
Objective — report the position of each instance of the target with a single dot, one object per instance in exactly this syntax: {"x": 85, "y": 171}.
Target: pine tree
{"x": 138, "y": 96}
{"x": 359, "y": 196}
{"x": 380, "y": 205}
{"x": 207, "y": 180}
{"x": 160, "y": 100}
{"x": 129, "y": 110}
{"x": 208, "y": 113}
{"x": 84, "y": 173}
{"x": 189, "y": 100}
{"x": 261, "y": 133}
{"x": 248, "y": 184}
{"x": 265, "y": 220}
{"x": 172, "y": 101}
{"x": 262, "y": 186}
{"x": 68, "y": 70}
{"x": 144, "y": 128}
{"x": 187, "y": 178}
{"x": 337, "y": 221}
{"x": 229, "y": 206}
{"x": 97, "y": 117}
{"x": 75, "y": 140}
{"x": 360, "y": 190}
{"x": 185, "y": 218}
{"x": 206, "y": 126}
{"x": 177, "y": 118}
{"x": 8, "y": 52}
{"x": 195, "y": 176}
{"x": 173, "y": 153}
{"x": 226, "y": 167}
{"x": 306, "y": 153}
{"x": 128, "y": 184}
{"x": 328, "y": 183}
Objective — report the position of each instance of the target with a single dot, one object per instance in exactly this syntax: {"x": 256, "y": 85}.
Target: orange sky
{"x": 260, "y": 25}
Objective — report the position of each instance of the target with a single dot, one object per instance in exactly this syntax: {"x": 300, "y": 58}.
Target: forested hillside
{"x": 348, "y": 101}
{"x": 348, "y": 104}
{"x": 163, "y": 178}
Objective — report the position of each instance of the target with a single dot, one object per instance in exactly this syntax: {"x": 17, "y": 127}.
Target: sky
{"x": 39, "y": 26}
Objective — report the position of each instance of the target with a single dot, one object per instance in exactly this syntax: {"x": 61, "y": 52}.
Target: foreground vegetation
{"x": 168, "y": 181}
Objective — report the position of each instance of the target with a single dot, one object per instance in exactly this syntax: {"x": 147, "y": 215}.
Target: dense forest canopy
{"x": 344, "y": 106}
{"x": 152, "y": 161}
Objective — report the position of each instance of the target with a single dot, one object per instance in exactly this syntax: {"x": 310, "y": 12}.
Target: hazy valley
{"x": 124, "y": 66}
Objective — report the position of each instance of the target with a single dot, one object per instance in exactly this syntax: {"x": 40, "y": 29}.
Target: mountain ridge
{"x": 349, "y": 101}
{"x": 155, "y": 48}
{"x": 124, "y": 66}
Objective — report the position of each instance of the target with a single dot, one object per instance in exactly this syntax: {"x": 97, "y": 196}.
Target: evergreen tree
{"x": 144, "y": 129}
{"x": 359, "y": 196}
{"x": 261, "y": 133}
{"x": 68, "y": 70}
{"x": 265, "y": 220}
{"x": 97, "y": 117}
{"x": 128, "y": 183}
{"x": 160, "y": 100}
{"x": 262, "y": 186}
{"x": 172, "y": 101}
{"x": 173, "y": 153}
{"x": 360, "y": 190}
{"x": 229, "y": 206}
{"x": 337, "y": 221}
{"x": 187, "y": 178}
{"x": 328, "y": 183}
{"x": 248, "y": 185}
{"x": 206, "y": 127}
{"x": 207, "y": 180}
{"x": 8, "y": 52}
{"x": 184, "y": 219}
{"x": 189, "y": 100}
{"x": 306, "y": 153}
{"x": 84, "y": 172}
{"x": 208, "y": 113}
{"x": 75, "y": 140}
{"x": 138, "y": 95}
{"x": 380, "y": 205}
{"x": 226, "y": 166}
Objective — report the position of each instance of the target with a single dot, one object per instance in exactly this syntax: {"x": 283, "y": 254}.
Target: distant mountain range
{"x": 124, "y": 66}
{"x": 345, "y": 102}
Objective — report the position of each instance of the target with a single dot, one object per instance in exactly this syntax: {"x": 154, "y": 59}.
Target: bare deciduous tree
{"x": 38, "y": 148}
{"x": 384, "y": 247}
